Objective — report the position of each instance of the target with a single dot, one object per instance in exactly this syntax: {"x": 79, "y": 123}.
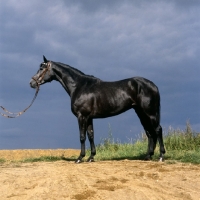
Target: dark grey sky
{"x": 112, "y": 40}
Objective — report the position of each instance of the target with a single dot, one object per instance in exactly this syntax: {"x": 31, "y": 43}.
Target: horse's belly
{"x": 108, "y": 109}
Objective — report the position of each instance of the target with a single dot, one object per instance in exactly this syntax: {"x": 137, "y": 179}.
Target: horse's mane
{"x": 75, "y": 70}
{"x": 68, "y": 66}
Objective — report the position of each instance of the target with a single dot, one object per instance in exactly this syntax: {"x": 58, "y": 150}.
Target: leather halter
{"x": 41, "y": 76}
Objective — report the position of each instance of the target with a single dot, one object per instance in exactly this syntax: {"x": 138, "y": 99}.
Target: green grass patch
{"x": 118, "y": 151}
{"x": 184, "y": 156}
{"x": 182, "y": 146}
{"x": 43, "y": 159}
{"x": 49, "y": 159}
{"x": 2, "y": 160}
{"x": 182, "y": 140}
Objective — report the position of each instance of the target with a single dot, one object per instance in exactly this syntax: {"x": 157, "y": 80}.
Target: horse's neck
{"x": 67, "y": 76}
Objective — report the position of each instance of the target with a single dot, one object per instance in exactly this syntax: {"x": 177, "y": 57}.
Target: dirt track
{"x": 118, "y": 180}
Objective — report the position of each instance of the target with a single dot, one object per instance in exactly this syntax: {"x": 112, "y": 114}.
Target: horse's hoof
{"x": 90, "y": 160}
{"x": 161, "y": 159}
{"x": 78, "y": 161}
{"x": 147, "y": 158}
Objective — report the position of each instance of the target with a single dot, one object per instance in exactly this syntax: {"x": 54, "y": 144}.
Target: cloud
{"x": 112, "y": 40}
{"x": 150, "y": 37}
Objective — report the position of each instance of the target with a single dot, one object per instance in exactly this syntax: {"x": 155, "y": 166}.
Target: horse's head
{"x": 43, "y": 75}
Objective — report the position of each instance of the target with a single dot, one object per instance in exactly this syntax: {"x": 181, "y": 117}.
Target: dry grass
{"x": 34, "y": 154}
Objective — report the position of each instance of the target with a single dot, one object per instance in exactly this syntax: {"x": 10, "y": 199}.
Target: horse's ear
{"x": 45, "y": 60}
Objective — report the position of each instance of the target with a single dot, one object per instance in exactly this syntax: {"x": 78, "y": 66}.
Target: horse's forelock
{"x": 43, "y": 64}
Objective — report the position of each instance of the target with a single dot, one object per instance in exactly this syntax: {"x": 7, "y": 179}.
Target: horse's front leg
{"x": 82, "y": 129}
{"x": 90, "y": 133}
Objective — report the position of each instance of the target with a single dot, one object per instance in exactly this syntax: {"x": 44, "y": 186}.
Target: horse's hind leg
{"x": 152, "y": 140}
{"x": 161, "y": 143}
{"x": 156, "y": 133}
{"x": 90, "y": 133}
{"x": 150, "y": 132}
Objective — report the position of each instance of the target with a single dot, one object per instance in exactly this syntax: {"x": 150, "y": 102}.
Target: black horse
{"x": 93, "y": 98}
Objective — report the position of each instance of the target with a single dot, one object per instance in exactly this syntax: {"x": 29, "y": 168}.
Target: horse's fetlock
{"x": 93, "y": 153}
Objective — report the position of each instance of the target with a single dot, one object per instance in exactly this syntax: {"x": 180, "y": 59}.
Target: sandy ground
{"x": 104, "y": 180}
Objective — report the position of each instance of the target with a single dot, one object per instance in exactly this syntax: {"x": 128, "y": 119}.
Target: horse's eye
{"x": 42, "y": 67}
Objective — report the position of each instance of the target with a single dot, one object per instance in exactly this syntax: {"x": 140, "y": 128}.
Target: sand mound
{"x": 118, "y": 180}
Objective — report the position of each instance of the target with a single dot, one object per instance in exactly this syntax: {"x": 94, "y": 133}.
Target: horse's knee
{"x": 82, "y": 138}
{"x": 90, "y": 134}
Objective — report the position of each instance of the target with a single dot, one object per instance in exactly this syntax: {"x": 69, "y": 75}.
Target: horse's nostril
{"x": 32, "y": 84}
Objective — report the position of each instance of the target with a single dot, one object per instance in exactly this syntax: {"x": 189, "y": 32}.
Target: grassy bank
{"x": 181, "y": 145}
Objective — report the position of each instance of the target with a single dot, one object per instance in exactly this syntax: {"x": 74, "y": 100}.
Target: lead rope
{"x": 14, "y": 115}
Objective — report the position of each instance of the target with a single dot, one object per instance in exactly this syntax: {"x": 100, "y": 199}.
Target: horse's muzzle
{"x": 33, "y": 83}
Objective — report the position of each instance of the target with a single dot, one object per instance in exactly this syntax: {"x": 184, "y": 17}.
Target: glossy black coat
{"x": 93, "y": 98}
